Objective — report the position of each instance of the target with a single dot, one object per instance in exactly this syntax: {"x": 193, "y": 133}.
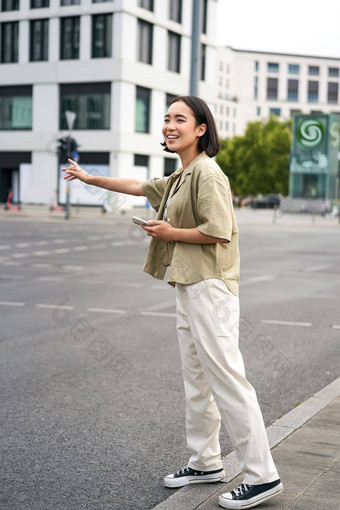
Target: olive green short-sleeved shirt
{"x": 203, "y": 200}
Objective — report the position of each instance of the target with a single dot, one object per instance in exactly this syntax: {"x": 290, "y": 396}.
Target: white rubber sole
{"x": 173, "y": 483}
{"x": 250, "y": 503}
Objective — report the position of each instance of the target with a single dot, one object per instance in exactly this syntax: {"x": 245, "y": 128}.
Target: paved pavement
{"x": 306, "y": 450}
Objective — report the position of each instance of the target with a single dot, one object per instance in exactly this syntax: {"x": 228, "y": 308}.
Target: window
{"x": 174, "y": 55}
{"x": 313, "y": 91}
{"x": 101, "y": 35}
{"x": 333, "y": 72}
{"x": 272, "y": 67}
{"x": 332, "y": 96}
{"x": 228, "y": 69}
{"x": 176, "y": 11}
{"x": 38, "y": 4}
{"x": 256, "y": 66}
{"x": 9, "y": 42}
{"x": 146, "y": 4}
{"x": 258, "y": 111}
{"x": 227, "y": 111}
{"x": 227, "y": 126}
{"x": 100, "y": 1}
{"x": 293, "y": 90}
{"x": 294, "y": 112}
{"x": 204, "y": 16}
{"x": 69, "y": 2}
{"x": 170, "y": 165}
{"x": 39, "y": 40}
{"x": 203, "y": 59}
{"x": 142, "y": 121}
{"x": 169, "y": 99}
{"x": 69, "y": 41}
{"x": 256, "y": 85}
{"x": 16, "y": 107}
{"x": 275, "y": 111}
{"x": 293, "y": 69}
{"x": 313, "y": 70}
{"x": 10, "y": 5}
{"x": 272, "y": 87}
{"x": 145, "y": 33}
{"x": 91, "y": 103}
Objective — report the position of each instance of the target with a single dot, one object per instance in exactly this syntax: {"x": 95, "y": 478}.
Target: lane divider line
{"x": 105, "y": 310}
{"x": 288, "y": 323}
{"x": 11, "y": 303}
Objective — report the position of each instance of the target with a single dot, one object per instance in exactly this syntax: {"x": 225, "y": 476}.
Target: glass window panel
{"x": 174, "y": 52}
{"x": 146, "y": 4}
{"x": 333, "y": 89}
{"x": 176, "y": 10}
{"x": 272, "y": 88}
{"x": 102, "y": 36}
{"x": 142, "y": 110}
{"x": 293, "y": 90}
{"x": 145, "y": 32}
{"x": 333, "y": 72}
{"x": 9, "y": 42}
{"x": 293, "y": 68}
{"x": 15, "y": 112}
{"x": 69, "y": 42}
{"x": 272, "y": 67}
{"x": 91, "y": 103}
{"x": 313, "y": 70}
{"x": 313, "y": 91}
{"x": 38, "y": 4}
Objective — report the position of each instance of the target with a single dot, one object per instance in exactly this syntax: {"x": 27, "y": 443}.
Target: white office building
{"x": 251, "y": 85}
{"x": 115, "y": 64}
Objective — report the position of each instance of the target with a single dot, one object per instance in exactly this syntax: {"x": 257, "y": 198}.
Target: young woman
{"x": 195, "y": 236}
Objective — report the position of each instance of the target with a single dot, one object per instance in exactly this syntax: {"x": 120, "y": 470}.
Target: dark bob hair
{"x": 209, "y": 142}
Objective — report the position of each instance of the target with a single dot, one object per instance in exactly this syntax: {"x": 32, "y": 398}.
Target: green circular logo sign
{"x": 310, "y": 133}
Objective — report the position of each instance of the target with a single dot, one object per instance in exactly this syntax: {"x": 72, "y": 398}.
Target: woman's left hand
{"x": 160, "y": 230}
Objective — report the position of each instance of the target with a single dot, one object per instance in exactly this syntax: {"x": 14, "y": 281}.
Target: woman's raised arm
{"x": 120, "y": 185}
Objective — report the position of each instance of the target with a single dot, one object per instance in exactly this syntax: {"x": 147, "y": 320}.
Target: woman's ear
{"x": 202, "y": 130}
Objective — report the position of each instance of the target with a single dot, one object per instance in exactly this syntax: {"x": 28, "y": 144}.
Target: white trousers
{"x": 215, "y": 382}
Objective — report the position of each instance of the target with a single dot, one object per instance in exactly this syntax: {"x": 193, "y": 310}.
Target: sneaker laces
{"x": 241, "y": 489}
{"x": 182, "y": 471}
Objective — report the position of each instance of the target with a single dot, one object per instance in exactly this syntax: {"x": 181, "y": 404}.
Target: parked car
{"x": 268, "y": 201}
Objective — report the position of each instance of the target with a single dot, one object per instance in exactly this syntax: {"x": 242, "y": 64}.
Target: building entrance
{"x": 6, "y": 183}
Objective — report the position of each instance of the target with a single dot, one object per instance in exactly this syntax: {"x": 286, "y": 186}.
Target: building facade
{"x": 115, "y": 64}
{"x": 251, "y": 85}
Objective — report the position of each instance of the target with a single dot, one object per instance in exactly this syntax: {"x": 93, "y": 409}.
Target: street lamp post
{"x": 70, "y": 118}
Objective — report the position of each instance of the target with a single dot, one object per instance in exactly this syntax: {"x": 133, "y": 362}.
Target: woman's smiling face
{"x": 179, "y": 129}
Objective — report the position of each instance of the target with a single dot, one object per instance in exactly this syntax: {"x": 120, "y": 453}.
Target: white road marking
{"x": 40, "y": 243}
{"x": 59, "y": 241}
{"x": 128, "y": 284}
{"x": 5, "y": 247}
{"x": 80, "y": 248}
{"x": 93, "y": 238}
{"x": 159, "y": 314}
{"x": 50, "y": 278}
{"x": 317, "y": 268}
{"x": 55, "y": 307}
{"x": 12, "y": 277}
{"x": 336, "y": 326}
{"x": 288, "y": 323}
{"x": 42, "y": 266}
{"x": 61, "y": 250}
{"x": 20, "y": 255}
{"x": 97, "y": 247}
{"x": 11, "y": 303}
{"x": 11, "y": 263}
{"x": 23, "y": 245}
{"x": 73, "y": 268}
{"x": 257, "y": 279}
{"x": 41, "y": 253}
{"x": 105, "y": 310}
{"x": 117, "y": 243}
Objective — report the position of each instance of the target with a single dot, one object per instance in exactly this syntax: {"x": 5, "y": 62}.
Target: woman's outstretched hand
{"x": 75, "y": 172}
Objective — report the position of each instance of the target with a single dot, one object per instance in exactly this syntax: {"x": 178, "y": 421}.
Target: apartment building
{"x": 116, "y": 64}
{"x": 251, "y": 85}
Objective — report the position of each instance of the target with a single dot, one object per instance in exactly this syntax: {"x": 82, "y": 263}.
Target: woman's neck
{"x": 188, "y": 156}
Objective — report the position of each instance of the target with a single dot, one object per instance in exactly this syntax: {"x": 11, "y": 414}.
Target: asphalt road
{"x": 92, "y": 407}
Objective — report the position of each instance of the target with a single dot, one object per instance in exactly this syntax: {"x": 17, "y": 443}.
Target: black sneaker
{"x": 247, "y": 496}
{"x": 186, "y": 476}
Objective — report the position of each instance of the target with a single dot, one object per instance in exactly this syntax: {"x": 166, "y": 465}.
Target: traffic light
{"x": 67, "y": 148}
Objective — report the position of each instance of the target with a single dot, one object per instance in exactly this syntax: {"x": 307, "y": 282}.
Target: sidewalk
{"x": 306, "y": 451}
{"x": 245, "y": 216}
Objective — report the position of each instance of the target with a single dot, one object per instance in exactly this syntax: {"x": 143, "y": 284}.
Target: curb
{"x": 189, "y": 497}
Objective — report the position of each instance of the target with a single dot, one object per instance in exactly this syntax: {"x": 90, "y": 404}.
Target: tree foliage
{"x": 258, "y": 162}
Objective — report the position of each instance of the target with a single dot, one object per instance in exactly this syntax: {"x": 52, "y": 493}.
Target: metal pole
{"x": 67, "y": 207}
{"x": 195, "y": 46}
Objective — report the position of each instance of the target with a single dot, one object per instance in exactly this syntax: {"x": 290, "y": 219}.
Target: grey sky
{"x": 293, "y": 26}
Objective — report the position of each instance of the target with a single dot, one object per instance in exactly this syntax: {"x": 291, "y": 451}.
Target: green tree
{"x": 258, "y": 162}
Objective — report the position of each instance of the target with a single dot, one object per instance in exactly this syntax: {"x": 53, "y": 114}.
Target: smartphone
{"x": 139, "y": 221}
